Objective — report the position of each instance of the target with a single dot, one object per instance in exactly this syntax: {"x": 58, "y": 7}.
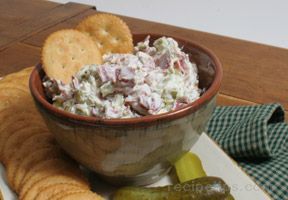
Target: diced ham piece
{"x": 125, "y": 80}
{"x": 138, "y": 96}
{"x": 178, "y": 105}
{"x": 183, "y": 101}
{"x": 133, "y": 101}
{"x": 163, "y": 60}
{"x": 126, "y": 74}
{"x": 107, "y": 72}
{"x": 151, "y": 103}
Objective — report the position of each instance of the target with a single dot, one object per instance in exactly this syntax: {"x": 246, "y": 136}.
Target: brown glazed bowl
{"x": 137, "y": 150}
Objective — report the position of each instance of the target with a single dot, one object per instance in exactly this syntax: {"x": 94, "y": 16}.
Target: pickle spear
{"x": 205, "y": 188}
{"x": 189, "y": 167}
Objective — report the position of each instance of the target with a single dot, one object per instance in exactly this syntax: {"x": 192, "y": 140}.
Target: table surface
{"x": 253, "y": 73}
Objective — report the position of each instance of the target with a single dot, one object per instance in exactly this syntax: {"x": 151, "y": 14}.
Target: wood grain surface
{"x": 253, "y": 73}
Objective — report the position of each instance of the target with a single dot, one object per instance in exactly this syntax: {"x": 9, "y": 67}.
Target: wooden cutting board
{"x": 253, "y": 73}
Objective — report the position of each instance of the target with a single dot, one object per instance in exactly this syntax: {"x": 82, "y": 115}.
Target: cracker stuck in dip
{"x": 153, "y": 80}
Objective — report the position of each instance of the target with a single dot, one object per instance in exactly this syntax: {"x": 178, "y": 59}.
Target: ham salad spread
{"x": 153, "y": 80}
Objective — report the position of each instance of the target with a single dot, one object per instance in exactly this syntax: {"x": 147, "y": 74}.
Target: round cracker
{"x": 31, "y": 160}
{"x": 11, "y": 126}
{"x": 17, "y": 106}
{"x": 110, "y": 33}
{"x": 39, "y": 166}
{"x": 13, "y": 98}
{"x": 11, "y": 123}
{"x": 68, "y": 178}
{"x": 13, "y": 95}
{"x": 5, "y": 86}
{"x": 15, "y": 140}
{"x": 37, "y": 141}
{"x": 88, "y": 195}
{"x": 26, "y": 182}
{"x": 65, "y": 52}
{"x": 19, "y": 81}
{"x": 45, "y": 169}
{"x": 14, "y": 76}
{"x": 52, "y": 191}
{"x": 18, "y": 118}
{"x": 66, "y": 193}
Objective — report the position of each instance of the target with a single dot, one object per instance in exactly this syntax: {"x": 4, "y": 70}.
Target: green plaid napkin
{"x": 257, "y": 138}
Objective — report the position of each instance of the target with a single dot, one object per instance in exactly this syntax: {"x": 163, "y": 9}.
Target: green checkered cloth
{"x": 257, "y": 138}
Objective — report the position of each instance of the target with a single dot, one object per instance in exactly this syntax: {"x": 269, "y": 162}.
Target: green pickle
{"x": 205, "y": 188}
{"x": 194, "y": 185}
{"x": 189, "y": 167}
{"x": 230, "y": 197}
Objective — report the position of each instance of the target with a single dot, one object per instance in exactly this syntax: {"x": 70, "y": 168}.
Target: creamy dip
{"x": 154, "y": 79}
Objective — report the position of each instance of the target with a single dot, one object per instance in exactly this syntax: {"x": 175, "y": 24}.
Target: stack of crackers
{"x": 36, "y": 166}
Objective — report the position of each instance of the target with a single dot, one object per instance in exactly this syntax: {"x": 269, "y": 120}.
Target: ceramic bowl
{"x": 137, "y": 150}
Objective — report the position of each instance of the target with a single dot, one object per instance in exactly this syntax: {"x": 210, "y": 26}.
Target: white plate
{"x": 215, "y": 163}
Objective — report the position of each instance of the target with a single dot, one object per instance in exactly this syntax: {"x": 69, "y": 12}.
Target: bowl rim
{"x": 144, "y": 120}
